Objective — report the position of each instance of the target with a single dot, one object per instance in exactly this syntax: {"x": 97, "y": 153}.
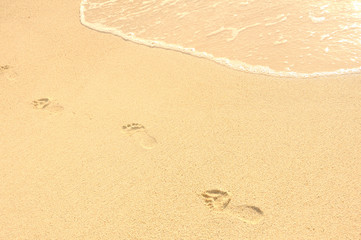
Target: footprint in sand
{"x": 218, "y": 200}
{"x": 7, "y": 72}
{"x": 46, "y": 103}
{"x": 139, "y": 132}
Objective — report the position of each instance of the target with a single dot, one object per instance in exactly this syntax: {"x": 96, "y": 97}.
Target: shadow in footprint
{"x": 139, "y": 132}
{"x": 220, "y": 201}
{"x": 46, "y": 103}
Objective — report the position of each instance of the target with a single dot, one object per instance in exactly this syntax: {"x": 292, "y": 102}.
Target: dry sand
{"x": 215, "y": 153}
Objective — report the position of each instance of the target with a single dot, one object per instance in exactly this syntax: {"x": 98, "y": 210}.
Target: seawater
{"x": 299, "y": 38}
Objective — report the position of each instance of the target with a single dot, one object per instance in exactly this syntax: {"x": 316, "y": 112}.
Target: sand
{"x": 102, "y": 138}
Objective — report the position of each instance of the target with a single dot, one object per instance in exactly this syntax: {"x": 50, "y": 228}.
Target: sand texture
{"x": 102, "y": 138}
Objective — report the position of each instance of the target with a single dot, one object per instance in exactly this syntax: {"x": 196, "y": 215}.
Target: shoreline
{"x": 190, "y": 50}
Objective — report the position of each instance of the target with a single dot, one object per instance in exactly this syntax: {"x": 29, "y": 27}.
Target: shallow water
{"x": 278, "y": 37}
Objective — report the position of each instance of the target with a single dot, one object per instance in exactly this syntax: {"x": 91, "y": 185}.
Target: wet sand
{"x": 106, "y": 139}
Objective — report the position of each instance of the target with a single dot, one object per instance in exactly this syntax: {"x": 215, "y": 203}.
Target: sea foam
{"x": 279, "y": 37}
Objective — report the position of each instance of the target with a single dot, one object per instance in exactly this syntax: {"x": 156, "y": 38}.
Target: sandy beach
{"x": 101, "y": 138}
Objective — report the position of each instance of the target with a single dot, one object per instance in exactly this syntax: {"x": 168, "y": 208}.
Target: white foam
{"x": 279, "y": 42}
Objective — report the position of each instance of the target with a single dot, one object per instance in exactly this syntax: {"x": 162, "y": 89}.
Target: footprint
{"x": 139, "y": 132}
{"x": 216, "y": 199}
{"x": 246, "y": 213}
{"x": 4, "y": 67}
{"x": 6, "y": 71}
{"x": 220, "y": 201}
{"x": 46, "y": 103}
{"x": 41, "y": 103}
